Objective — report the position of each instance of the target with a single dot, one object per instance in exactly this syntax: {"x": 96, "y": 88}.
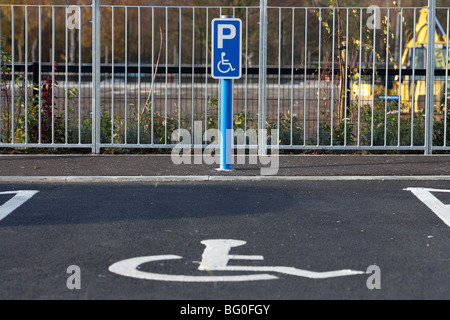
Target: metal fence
{"x": 113, "y": 76}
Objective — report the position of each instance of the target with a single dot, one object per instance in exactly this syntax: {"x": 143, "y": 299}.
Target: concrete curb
{"x": 205, "y": 178}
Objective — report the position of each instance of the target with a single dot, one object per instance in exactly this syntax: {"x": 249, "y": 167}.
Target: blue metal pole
{"x": 226, "y": 123}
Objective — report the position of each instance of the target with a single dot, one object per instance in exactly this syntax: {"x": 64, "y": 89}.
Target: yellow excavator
{"x": 416, "y": 59}
{"x": 411, "y": 90}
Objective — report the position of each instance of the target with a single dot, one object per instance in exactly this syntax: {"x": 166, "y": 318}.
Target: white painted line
{"x": 111, "y": 179}
{"x": 425, "y": 195}
{"x": 215, "y": 258}
{"x": 129, "y": 268}
{"x": 12, "y": 204}
{"x": 295, "y": 272}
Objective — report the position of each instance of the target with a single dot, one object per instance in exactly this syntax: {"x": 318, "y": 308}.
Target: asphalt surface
{"x": 162, "y": 165}
{"x": 312, "y": 225}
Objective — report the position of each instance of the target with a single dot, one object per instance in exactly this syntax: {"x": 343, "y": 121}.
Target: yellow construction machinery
{"x": 411, "y": 89}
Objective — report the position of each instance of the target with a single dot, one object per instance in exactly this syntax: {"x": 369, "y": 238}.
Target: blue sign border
{"x": 213, "y": 61}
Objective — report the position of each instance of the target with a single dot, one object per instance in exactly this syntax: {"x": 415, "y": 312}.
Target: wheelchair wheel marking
{"x": 129, "y": 268}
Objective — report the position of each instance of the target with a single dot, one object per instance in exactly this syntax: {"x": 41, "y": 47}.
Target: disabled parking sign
{"x": 226, "y": 48}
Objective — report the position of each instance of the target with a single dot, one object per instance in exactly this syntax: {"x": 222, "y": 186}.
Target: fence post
{"x": 96, "y": 76}
{"x": 431, "y": 65}
{"x": 262, "y": 143}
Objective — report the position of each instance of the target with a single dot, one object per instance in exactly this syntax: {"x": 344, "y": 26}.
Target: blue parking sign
{"x": 226, "y": 48}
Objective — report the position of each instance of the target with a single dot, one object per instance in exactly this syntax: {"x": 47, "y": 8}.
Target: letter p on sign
{"x": 221, "y": 36}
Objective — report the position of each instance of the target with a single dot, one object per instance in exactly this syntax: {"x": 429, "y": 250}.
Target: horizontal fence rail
{"x": 327, "y": 79}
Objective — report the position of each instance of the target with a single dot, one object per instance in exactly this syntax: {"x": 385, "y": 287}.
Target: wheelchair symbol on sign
{"x": 215, "y": 258}
{"x": 223, "y": 63}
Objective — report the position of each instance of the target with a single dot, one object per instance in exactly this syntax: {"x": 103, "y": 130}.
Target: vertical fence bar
{"x": 346, "y": 79}
{"x": 13, "y": 73}
{"x": 446, "y": 80}
{"x": 429, "y": 104}
{"x": 319, "y": 77}
{"x": 126, "y": 77}
{"x": 152, "y": 108}
{"x": 53, "y": 74}
{"x": 400, "y": 81}
{"x": 360, "y": 76}
{"x": 292, "y": 75}
{"x": 374, "y": 57}
{"x": 79, "y": 77}
{"x": 26, "y": 75}
{"x": 386, "y": 81}
{"x": 279, "y": 67}
{"x": 219, "y": 94}
{"x": 1, "y": 83}
{"x": 167, "y": 71}
{"x": 40, "y": 76}
{"x": 206, "y": 68}
{"x": 332, "y": 76}
{"x": 413, "y": 85}
{"x": 113, "y": 75}
{"x": 96, "y": 65}
{"x": 193, "y": 77}
{"x": 305, "y": 76}
{"x": 262, "y": 103}
{"x": 66, "y": 132}
{"x": 179, "y": 69}
{"x": 246, "y": 71}
{"x": 139, "y": 79}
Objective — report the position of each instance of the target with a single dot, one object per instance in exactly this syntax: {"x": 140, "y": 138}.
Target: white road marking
{"x": 20, "y": 198}
{"x": 425, "y": 195}
{"x": 129, "y": 268}
{"x": 215, "y": 258}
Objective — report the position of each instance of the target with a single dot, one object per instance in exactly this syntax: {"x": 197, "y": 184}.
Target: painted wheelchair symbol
{"x": 224, "y": 63}
{"x": 215, "y": 258}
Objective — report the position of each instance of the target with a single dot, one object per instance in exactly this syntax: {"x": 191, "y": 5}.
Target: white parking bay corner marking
{"x": 425, "y": 195}
{"x": 12, "y": 204}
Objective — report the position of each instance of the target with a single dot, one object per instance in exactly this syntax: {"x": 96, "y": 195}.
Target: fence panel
{"x": 157, "y": 79}
{"x": 44, "y": 99}
{"x": 326, "y": 78}
{"x": 354, "y": 78}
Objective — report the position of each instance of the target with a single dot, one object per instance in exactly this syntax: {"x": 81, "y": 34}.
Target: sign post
{"x": 226, "y": 65}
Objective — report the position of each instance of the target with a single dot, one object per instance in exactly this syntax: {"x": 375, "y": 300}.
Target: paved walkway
{"x": 163, "y": 166}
